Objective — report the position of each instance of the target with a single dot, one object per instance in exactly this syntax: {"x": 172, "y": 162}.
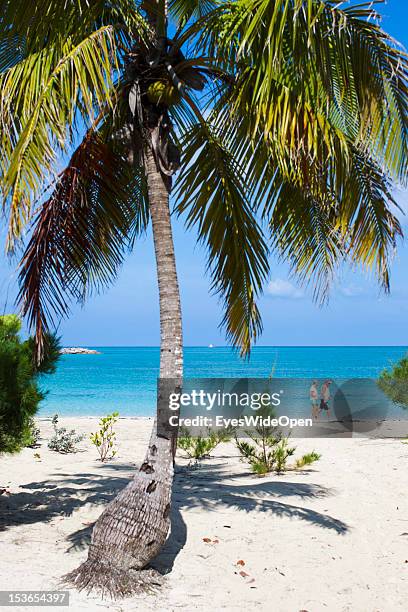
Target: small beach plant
{"x": 266, "y": 454}
{"x": 34, "y": 434}
{"x": 63, "y": 440}
{"x": 104, "y": 439}
{"x": 280, "y": 455}
{"x": 200, "y": 447}
{"x": 307, "y": 459}
{"x": 268, "y": 449}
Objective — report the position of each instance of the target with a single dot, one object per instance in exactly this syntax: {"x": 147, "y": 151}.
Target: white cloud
{"x": 280, "y": 288}
{"x": 352, "y": 291}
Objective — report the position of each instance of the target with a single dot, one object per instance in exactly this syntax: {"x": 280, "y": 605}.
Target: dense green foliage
{"x": 394, "y": 382}
{"x": 20, "y": 394}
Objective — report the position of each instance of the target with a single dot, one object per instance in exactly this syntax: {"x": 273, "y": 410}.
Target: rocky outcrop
{"x": 77, "y": 350}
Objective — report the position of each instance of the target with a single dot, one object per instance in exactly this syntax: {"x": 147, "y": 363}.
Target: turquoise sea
{"x": 124, "y": 378}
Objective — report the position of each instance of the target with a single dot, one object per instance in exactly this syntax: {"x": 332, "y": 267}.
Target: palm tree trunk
{"x": 134, "y": 526}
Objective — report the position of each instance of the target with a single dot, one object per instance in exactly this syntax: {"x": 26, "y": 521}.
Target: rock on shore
{"x": 77, "y": 350}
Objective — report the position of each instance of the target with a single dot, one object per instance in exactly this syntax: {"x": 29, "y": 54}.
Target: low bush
{"x": 200, "y": 447}
{"x": 33, "y": 437}
{"x": 64, "y": 440}
{"x": 307, "y": 459}
{"x": 268, "y": 449}
{"x": 104, "y": 439}
{"x": 266, "y": 454}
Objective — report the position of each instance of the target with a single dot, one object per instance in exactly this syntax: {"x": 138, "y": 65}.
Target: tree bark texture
{"x": 134, "y": 526}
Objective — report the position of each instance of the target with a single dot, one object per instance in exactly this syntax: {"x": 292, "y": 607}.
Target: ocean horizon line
{"x": 215, "y": 346}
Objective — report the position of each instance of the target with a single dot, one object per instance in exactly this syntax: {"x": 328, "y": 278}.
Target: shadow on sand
{"x": 208, "y": 488}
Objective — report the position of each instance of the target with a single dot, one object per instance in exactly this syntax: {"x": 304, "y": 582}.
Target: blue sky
{"x": 127, "y": 314}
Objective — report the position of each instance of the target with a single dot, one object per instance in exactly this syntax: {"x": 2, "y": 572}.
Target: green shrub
{"x": 34, "y": 434}
{"x": 20, "y": 394}
{"x": 64, "y": 440}
{"x": 267, "y": 454}
{"x": 394, "y": 382}
{"x": 269, "y": 449}
{"x": 200, "y": 447}
{"x": 104, "y": 439}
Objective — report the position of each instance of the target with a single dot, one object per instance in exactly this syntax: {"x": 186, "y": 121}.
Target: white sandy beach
{"x": 330, "y": 538}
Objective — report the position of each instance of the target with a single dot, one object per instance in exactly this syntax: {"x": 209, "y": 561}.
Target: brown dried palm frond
{"x": 81, "y": 232}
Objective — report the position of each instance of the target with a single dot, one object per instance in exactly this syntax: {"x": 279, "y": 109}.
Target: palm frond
{"x": 211, "y": 190}
{"x": 373, "y": 228}
{"x": 39, "y": 98}
{"x": 184, "y": 10}
{"x": 318, "y": 114}
{"x": 316, "y": 235}
{"x": 59, "y": 61}
{"x": 48, "y": 22}
{"x": 298, "y": 108}
{"x": 312, "y": 74}
{"x": 81, "y": 232}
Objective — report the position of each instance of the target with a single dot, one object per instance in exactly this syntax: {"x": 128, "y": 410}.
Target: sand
{"x": 330, "y": 538}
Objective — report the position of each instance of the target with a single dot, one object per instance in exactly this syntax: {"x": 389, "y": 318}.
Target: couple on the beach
{"x": 323, "y": 405}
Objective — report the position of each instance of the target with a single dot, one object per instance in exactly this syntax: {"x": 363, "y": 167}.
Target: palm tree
{"x": 287, "y": 123}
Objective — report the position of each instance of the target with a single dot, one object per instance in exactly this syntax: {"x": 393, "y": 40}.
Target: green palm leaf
{"x": 184, "y": 10}
{"x": 375, "y": 228}
{"x": 311, "y": 74}
{"x": 316, "y": 235}
{"x": 38, "y": 125}
{"x": 212, "y": 191}
{"x": 303, "y": 232}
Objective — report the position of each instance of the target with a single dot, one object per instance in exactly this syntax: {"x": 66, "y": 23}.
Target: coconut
{"x": 163, "y": 92}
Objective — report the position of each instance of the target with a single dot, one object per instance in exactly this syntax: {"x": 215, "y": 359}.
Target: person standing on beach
{"x": 325, "y": 397}
{"x": 314, "y": 399}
